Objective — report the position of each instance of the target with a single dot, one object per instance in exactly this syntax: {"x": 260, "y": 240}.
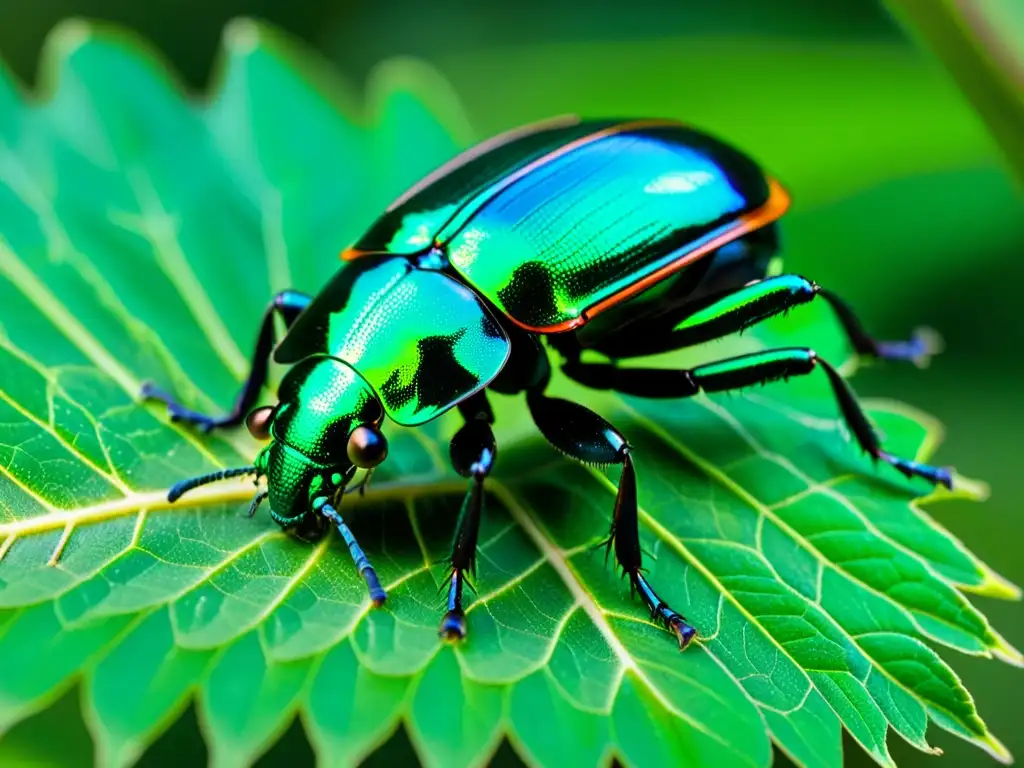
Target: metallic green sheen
{"x": 545, "y": 244}
{"x": 423, "y": 341}
{"x": 767, "y": 358}
{"x": 413, "y": 221}
{"x": 742, "y": 300}
{"x": 591, "y": 223}
{"x": 322, "y": 400}
{"x": 293, "y": 473}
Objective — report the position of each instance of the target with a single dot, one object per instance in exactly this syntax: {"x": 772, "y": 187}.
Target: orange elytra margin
{"x": 776, "y": 205}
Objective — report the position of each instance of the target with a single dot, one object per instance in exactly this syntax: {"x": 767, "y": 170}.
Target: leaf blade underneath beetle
{"x": 143, "y": 236}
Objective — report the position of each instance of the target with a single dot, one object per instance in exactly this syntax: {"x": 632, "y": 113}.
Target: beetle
{"x": 623, "y": 237}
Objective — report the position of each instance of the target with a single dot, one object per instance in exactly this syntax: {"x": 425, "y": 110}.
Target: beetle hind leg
{"x": 746, "y": 371}
{"x": 735, "y": 310}
{"x": 583, "y": 435}
{"x": 923, "y": 344}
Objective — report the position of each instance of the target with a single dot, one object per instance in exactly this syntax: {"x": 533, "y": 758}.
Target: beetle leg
{"x": 362, "y": 562}
{"x": 918, "y": 349}
{"x": 735, "y": 311}
{"x": 287, "y": 304}
{"x": 473, "y": 451}
{"x": 745, "y": 371}
{"x": 583, "y": 435}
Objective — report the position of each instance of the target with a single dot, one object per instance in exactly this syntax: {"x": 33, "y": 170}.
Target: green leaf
{"x": 141, "y": 234}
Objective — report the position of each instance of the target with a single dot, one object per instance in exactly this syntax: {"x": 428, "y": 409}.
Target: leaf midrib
{"x": 224, "y": 492}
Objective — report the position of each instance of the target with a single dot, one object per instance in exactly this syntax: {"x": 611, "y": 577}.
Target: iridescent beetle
{"x": 625, "y": 237}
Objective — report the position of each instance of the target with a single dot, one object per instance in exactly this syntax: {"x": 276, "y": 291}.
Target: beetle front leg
{"x": 735, "y": 311}
{"x": 750, "y": 370}
{"x": 473, "y": 451}
{"x": 362, "y": 562}
{"x": 287, "y": 304}
{"x": 583, "y": 435}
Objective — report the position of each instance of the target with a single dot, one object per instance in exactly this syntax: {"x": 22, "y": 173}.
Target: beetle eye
{"x": 258, "y": 422}
{"x": 367, "y": 447}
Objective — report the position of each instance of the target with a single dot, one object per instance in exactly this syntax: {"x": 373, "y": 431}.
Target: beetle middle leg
{"x": 734, "y": 311}
{"x": 288, "y": 305}
{"x": 473, "y": 451}
{"x": 745, "y": 371}
{"x": 585, "y": 436}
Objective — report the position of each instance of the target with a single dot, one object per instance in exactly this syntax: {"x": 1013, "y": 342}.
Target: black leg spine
{"x": 473, "y": 452}
{"x": 585, "y": 436}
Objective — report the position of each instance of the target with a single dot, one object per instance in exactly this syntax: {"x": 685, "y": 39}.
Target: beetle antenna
{"x": 185, "y": 486}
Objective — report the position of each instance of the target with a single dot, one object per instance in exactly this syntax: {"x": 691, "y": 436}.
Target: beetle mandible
{"x": 626, "y": 237}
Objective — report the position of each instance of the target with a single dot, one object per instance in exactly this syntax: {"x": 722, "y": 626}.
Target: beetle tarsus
{"x": 255, "y": 503}
{"x": 377, "y": 594}
{"x": 684, "y": 632}
{"x": 939, "y": 475}
{"x": 453, "y": 626}
{"x": 179, "y": 413}
{"x": 919, "y": 349}
{"x": 660, "y": 611}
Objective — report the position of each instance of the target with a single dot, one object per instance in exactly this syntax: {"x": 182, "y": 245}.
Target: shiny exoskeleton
{"x": 628, "y": 238}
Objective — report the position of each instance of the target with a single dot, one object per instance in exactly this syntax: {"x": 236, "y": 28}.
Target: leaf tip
{"x": 994, "y": 585}
{"x": 242, "y": 36}
{"x": 977, "y": 490}
{"x": 996, "y": 748}
{"x": 1003, "y": 651}
{"x": 68, "y": 36}
{"x": 410, "y": 74}
{"x": 963, "y": 488}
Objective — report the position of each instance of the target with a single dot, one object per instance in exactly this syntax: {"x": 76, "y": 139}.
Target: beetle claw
{"x": 919, "y": 349}
{"x": 684, "y": 632}
{"x": 930, "y": 343}
{"x": 453, "y": 626}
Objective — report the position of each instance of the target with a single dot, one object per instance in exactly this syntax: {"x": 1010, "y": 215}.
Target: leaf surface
{"x": 141, "y": 235}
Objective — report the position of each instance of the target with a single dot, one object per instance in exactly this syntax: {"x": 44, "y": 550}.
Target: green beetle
{"x": 627, "y": 237}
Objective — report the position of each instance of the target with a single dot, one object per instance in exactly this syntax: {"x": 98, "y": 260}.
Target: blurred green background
{"x": 903, "y": 203}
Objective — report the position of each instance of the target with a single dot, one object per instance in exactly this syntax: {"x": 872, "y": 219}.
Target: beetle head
{"x": 325, "y": 428}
